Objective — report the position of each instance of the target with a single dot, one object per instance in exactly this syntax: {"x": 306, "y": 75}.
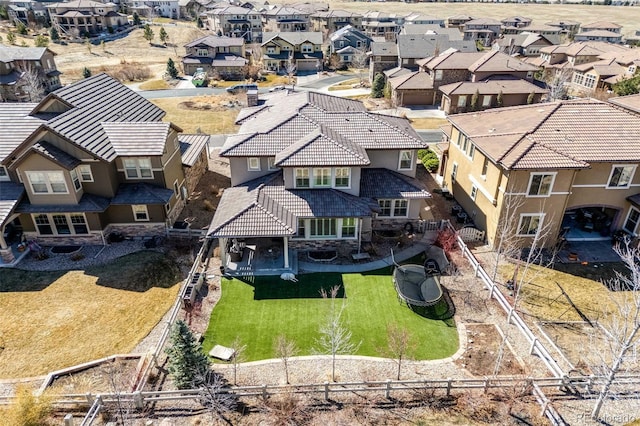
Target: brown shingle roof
{"x": 491, "y": 87}
{"x": 413, "y": 81}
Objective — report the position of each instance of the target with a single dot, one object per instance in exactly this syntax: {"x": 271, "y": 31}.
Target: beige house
{"x": 566, "y": 167}
{"x": 331, "y": 21}
{"x": 235, "y": 21}
{"x": 16, "y": 62}
{"x": 285, "y": 19}
{"x": 79, "y": 18}
{"x": 222, "y": 57}
{"x": 303, "y": 49}
{"x": 78, "y": 167}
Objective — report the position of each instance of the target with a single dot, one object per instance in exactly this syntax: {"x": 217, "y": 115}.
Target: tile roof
{"x": 567, "y": 134}
{"x": 384, "y": 48}
{"x": 382, "y": 183}
{"x": 425, "y": 45}
{"x": 141, "y": 193}
{"x": 56, "y": 155}
{"x": 293, "y": 37}
{"x": 216, "y": 41}
{"x": 10, "y": 53}
{"x": 10, "y": 194}
{"x": 495, "y": 61}
{"x": 450, "y": 60}
{"x": 191, "y": 147}
{"x": 134, "y": 139}
{"x": 631, "y": 102}
{"x": 412, "y": 81}
{"x": 88, "y": 203}
{"x": 491, "y": 86}
{"x": 601, "y": 24}
{"x": 15, "y": 126}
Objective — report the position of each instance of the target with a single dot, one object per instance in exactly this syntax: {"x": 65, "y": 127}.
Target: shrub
{"x": 429, "y": 159}
{"x": 76, "y": 257}
{"x": 28, "y": 410}
{"x": 431, "y": 164}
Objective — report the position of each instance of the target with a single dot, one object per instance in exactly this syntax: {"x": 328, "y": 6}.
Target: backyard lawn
{"x": 259, "y": 311}
{"x": 52, "y": 320}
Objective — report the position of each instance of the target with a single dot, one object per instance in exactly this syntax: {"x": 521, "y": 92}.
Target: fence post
{"x": 326, "y": 391}
{"x": 387, "y": 392}
{"x": 475, "y": 272}
{"x": 265, "y": 394}
{"x": 509, "y": 315}
{"x": 89, "y": 398}
{"x": 449, "y": 386}
{"x": 544, "y": 407}
{"x": 533, "y": 345}
{"x": 491, "y": 289}
{"x": 138, "y": 401}
{"x": 68, "y": 420}
{"x": 486, "y": 384}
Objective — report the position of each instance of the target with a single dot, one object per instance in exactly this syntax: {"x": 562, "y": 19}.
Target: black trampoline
{"x": 417, "y": 286}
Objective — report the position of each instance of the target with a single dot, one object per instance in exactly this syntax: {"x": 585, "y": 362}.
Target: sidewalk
{"x": 428, "y": 238}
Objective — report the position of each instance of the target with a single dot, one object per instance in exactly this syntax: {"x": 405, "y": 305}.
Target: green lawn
{"x": 259, "y": 311}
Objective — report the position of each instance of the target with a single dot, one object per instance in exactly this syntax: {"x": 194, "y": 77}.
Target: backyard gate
{"x": 469, "y": 234}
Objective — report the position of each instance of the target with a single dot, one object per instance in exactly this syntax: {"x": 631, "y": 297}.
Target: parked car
{"x": 277, "y": 88}
{"x": 241, "y": 88}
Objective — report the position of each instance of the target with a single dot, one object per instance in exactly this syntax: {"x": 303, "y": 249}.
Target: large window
{"x": 322, "y": 228}
{"x": 589, "y": 81}
{"x": 43, "y": 224}
{"x": 321, "y": 177}
{"x": 540, "y": 184}
{"x": 393, "y": 208}
{"x": 61, "y": 224}
{"x": 348, "y": 227}
{"x": 140, "y": 213}
{"x": 486, "y": 100}
{"x": 343, "y": 175}
{"x": 271, "y": 163}
{"x": 253, "y": 164}
{"x": 530, "y": 224}
{"x": 47, "y": 182}
{"x": 621, "y": 176}
{"x": 302, "y": 178}
{"x": 631, "y": 224}
{"x": 302, "y": 228}
{"x": 406, "y": 160}
{"x": 85, "y": 173}
{"x": 138, "y": 168}
{"x": 462, "y": 101}
{"x": 485, "y": 167}
{"x": 76, "y": 180}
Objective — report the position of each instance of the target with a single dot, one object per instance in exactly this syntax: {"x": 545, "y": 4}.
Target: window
{"x": 43, "y": 225}
{"x": 589, "y": 81}
{"x": 454, "y": 172}
{"x": 400, "y": 208}
{"x": 47, "y": 182}
{"x": 486, "y": 100}
{"x": 485, "y": 167}
{"x": 474, "y": 192}
{"x": 61, "y": 224}
{"x": 438, "y": 75}
{"x": 137, "y": 168}
{"x": 307, "y": 48}
{"x": 76, "y": 180}
{"x": 203, "y": 52}
{"x": 462, "y": 101}
{"x": 301, "y": 228}
{"x": 540, "y": 184}
{"x": 3, "y": 173}
{"x": 79, "y": 224}
{"x": 471, "y": 151}
{"x": 302, "y": 178}
{"x": 633, "y": 218}
{"x": 253, "y": 164}
{"x": 319, "y": 228}
{"x": 140, "y": 213}
{"x": 406, "y": 160}
{"x": 271, "y": 163}
{"x": 348, "y": 227}
{"x": 85, "y": 173}
{"x": 529, "y": 224}
{"x": 385, "y": 207}
{"x": 321, "y": 177}
{"x": 621, "y": 176}
{"x": 343, "y": 175}
{"x": 578, "y": 78}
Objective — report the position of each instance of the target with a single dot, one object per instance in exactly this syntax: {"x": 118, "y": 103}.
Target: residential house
{"x": 413, "y": 47}
{"x": 313, "y": 172}
{"x": 29, "y": 12}
{"x": 604, "y": 73}
{"x": 410, "y": 88}
{"x": 482, "y": 30}
{"x": 633, "y": 40}
{"x": 311, "y": 7}
{"x": 458, "y": 21}
{"x": 16, "y": 63}
{"x": 333, "y": 20}
{"x": 163, "y": 8}
{"x": 421, "y": 19}
{"x": 381, "y": 25}
{"x": 235, "y": 21}
{"x": 222, "y": 57}
{"x": 522, "y": 44}
{"x": 567, "y": 167}
{"x": 347, "y": 42}
{"x": 514, "y": 24}
{"x": 77, "y": 166}
{"x": 567, "y": 28}
{"x": 494, "y": 92}
{"x": 285, "y": 19}
{"x": 608, "y": 32}
{"x": 79, "y": 18}
{"x": 551, "y": 33}
{"x": 303, "y": 49}
{"x": 383, "y": 56}
{"x": 601, "y": 26}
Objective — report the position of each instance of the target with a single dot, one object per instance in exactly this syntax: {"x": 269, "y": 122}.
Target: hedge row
{"x": 429, "y": 159}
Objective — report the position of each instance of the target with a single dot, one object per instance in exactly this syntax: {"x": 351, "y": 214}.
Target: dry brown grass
{"x": 207, "y": 113}
{"x": 155, "y": 85}
{"x": 428, "y": 123}
{"x": 50, "y": 321}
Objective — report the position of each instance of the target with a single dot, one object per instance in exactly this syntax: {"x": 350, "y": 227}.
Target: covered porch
{"x": 257, "y": 256}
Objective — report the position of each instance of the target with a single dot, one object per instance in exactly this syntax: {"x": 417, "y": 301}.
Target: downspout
{"x": 359, "y": 233}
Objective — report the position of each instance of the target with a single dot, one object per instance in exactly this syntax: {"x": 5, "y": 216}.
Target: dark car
{"x": 241, "y": 88}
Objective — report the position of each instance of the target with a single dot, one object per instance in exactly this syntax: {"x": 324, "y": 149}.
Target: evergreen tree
{"x": 148, "y": 33}
{"x": 53, "y": 33}
{"x": 86, "y": 72}
{"x": 199, "y": 22}
{"x": 21, "y": 28}
{"x": 171, "y": 68}
{"x": 41, "y": 41}
{"x": 377, "y": 88}
{"x": 11, "y": 37}
{"x": 136, "y": 19}
{"x": 499, "y": 100}
{"x": 627, "y": 86}
{"x": 475, "y": 101}
{"x": 163, "y": 36}
{"x": 187, "y": 364}
{"x": 4, "y": 14}
{"x": 531, "y": 98}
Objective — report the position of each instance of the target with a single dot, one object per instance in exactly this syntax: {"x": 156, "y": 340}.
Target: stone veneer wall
{"x": 193, "y": 174}
{"x": 139, "y": 230}
{"x": 313, "y": 245}
{"x": 391, "y": 223}
{"x": 67, "y": 240}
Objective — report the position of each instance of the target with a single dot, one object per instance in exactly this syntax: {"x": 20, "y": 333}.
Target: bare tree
{"x": 399, "y": 345}
{"x": 335, "y": 339}
{"x": 237, "y": 358}
{"x": 359, "y": 62}
{"x": 31, "y": 83}
{"x": 119, "y": 382}
{"x": 558, "y": 83}
{"x": 623, "y": 326}
{"x": 285, "y": 350}
{"x": 215, "y": 397}
{"x": 291, "y": 70}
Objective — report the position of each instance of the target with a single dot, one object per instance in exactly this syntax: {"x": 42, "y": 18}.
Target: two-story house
{"x": 16, "y": 62}
{"x": 235, "y": 21}
{"x": 482, "y": 30}
{"x": 313, "y": 172}
{"x": 163, "y": 8}
{"x": 383, "y": 56}
{"x": 347, "y": 42}
{"x": 566, "y": 167}
{"x": 608, "y": 32}
{"x": 514, "y": 24}
{"x": 78, "y": 166}
{"x": 604, "y": 73}
{"x": 421, "y": 19}
{"x": 381, "y": 25}
{"x": 302, "y": 49}
{"x": 333, "y": 20}
{"x": 29, "y": 12}
{"x": 458, "y": 21}
{"x": 285, "y": 19}
{"x": 413, "y": 47}
{"x": 567, "y": 28}
{"x": 80, "y": 18}
{"x": 522, "y": 44}
{"x": 222, "y": 57}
